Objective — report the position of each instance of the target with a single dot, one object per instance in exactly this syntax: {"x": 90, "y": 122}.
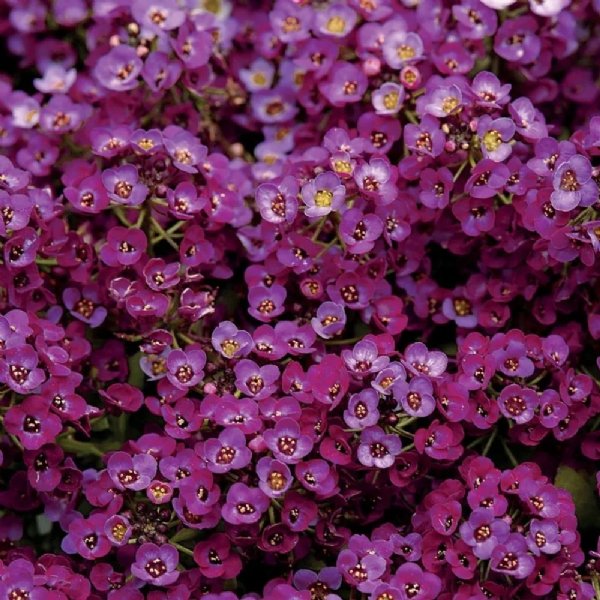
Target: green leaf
{"x": 136, "y": 375}
{"x": 184, "y": 534}
{"x": 583, "y": 491}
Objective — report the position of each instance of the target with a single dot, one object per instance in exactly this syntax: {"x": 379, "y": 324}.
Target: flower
{"x": 131, "y": 472}
{"x": 323, "y": 195}
{"x": 573, "y": 185}
{"x": 156, "y": 564}
{"x": 378, "y": 449}
{"x": 119, "y": 68}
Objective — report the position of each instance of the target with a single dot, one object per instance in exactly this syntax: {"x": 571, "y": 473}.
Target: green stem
{"x": 182, "y": 548}
{"x": 509, "y": 453}
{"x": 490, "y": 441}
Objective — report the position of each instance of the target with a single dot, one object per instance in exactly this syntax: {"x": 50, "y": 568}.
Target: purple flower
{"x": 415, "y": 397}
{"x": 518, "y": 403}
{"x": 21, "y": 249}
{"x": 278, "y": 203}
{"x": 86, "y": 537}
{"x": 123, "y": 246}
{"x": 364, "y": 358}
{"x": 156, "y": 564}
{"x": 131, "y": 472}
{"x": 543, "y": 537}
{"x": 185, "y": 149}
{"x": 287, "y": 442}
{"x": 159, "y": 72}
{"x": 488, "y": 92}
{"x": 388, "y": 99}
{"x": 266, "y": 303}
{"x": 362, "y": 572}
{"x": 274, "y": 106}
{"x": 244, "y": 505}
{"x": 426, "y": 138}
{"x": 158, "y": 15}
{"x": 401, "y": 48}
{"x": 483, "y": 532}
{"x": 328, "y": 579}
{"x": 275, "y": 477}
{"x": 362, "y": 410}
{"x": 32, "y": 423}
{"x": 336, "y": 20}
{"x": 85, "y": 305}
{"x": 360, "y": 231}
{"x": 419, "y": 360}
{"x": 88, "y": 196}
{"x": 226, "y": 452}
{"x": 55, "y": 79}
{"x": 118, "y": 70}
{"x": 512, "y": 558}
{"x": 516, "y": 40}
{"x": 573, "y": 184}
{"x": 495, "y": 135}
{"x": 475, "y": 21}
{"x": 324, "y": 194}
{"x": 378, "y": 449}
{"x": 346, "y": 84}
{"x": 528, "y": 120}
{"x": 185, "y": 367}
{"x": 329, "y": 321}
{"x": 442, "y": 101}
{"x": 291, "y": 23}
{"x": 254, "y": 381}
{"x": 123, "y": 186}
{"x": 192, "y": 46}
{"x": 19, "y": 369}
{"x": 118, "y": 530}
{"x": 416, "y": 584}
{"x": 230, "y": 341}
{"x": 487, "y": 179}
{"x": 318, "y": 477}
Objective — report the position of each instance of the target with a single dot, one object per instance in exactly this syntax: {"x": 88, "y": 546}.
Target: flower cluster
{"x": 299, "y": 300}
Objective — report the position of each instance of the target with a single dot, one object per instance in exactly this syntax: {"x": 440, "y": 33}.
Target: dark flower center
{"x": 155, "y": 568}
{"x": 287, "y": 445}
{"x": 32, "y": 424}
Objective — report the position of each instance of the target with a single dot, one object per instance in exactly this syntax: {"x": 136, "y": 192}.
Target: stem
{"x": 509, "y": 453}
{"x": 346, "y": 341}
{"x": 163, "y": 234}
{"x": 182, "y": 548}
{"x": 460, "y": 170}
{"x": 490, "y": 441}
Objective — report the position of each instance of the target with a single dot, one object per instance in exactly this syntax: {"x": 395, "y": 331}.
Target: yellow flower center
{"x": 390, "y": 100}
{"x": 323, "y": 198}
{"x": 336, "y": 25}
{"x": 491, "y": 140}
{"x": 259, "y": 78}
{"x": 405, "y": 52}
{"x": 449, "y": 104}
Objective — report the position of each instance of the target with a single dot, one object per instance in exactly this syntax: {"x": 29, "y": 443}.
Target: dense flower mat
{"x": 300, "y": 300}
